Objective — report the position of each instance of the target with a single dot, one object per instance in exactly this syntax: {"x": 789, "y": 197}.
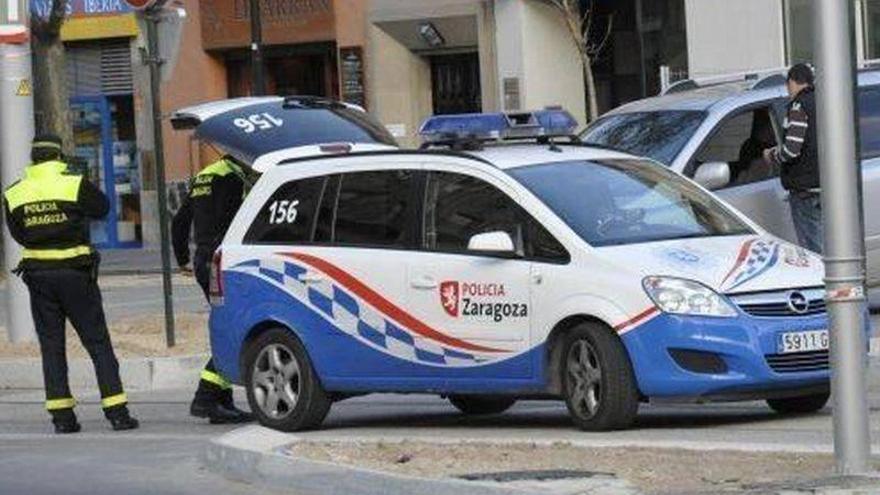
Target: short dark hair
{"x": 46, "y": 147}
{"x": 802, "y": 74}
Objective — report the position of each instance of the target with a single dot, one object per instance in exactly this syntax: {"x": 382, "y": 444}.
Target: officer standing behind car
{"x": 48, "y": 213}
{"x": 798, "y": 158}
{"x": 215, "y": 195}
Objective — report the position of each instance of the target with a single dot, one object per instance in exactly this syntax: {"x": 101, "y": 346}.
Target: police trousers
{"x": 213, "y": 387}
{"x": 62, "y": 294}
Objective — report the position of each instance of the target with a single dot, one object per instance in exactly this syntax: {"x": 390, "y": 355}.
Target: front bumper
{"x": 742, "y": 343}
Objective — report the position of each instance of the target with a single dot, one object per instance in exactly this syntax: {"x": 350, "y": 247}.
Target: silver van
{"x": 715, "y": 134}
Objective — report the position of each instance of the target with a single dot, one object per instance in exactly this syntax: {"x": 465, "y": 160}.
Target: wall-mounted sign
{"x": 351, "y": 70}
{"x": 81, "y": 8}
{"x": 227, "y": 24}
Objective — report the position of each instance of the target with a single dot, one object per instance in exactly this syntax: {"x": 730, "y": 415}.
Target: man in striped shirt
{"x": 798, "y": 158}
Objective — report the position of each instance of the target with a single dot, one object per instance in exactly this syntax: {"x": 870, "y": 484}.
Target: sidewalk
{"x": 146, "y": 260}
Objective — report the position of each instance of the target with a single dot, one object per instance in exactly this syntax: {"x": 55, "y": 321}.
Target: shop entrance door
{"x": 455, "y": 81}
{"x": 94, "y": 158}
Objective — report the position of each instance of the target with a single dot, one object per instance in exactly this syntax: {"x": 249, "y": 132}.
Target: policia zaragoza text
{"x": 48, "y": 212}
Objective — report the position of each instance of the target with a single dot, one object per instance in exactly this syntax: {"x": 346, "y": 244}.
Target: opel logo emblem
{"x": 798, "y": 303}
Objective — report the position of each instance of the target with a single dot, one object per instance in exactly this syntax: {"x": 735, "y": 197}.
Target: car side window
{"x": 869, "y": 121}
{"x": 740, "y": 142}
{"x": 376, "y": 209}
{"x": 288, "y": 217}
{"x": 458, "y": 207}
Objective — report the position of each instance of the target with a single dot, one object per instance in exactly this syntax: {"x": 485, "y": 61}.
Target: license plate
{"x": 807, "y": 341}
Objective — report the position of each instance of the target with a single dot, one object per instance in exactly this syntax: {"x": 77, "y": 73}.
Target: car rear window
{"x": 288, "y": 217}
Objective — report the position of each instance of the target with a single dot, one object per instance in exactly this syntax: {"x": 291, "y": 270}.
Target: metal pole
{"x": 844, "y": 231}
{"x": 257, "y": 66}
{"x": 152, "y": 18}
{"x": 16, "y": 131}
{"x": 640, "y": 31}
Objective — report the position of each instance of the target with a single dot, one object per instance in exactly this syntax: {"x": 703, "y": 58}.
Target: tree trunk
{"x": 590, "y": 82}
{"x": 51, "y": 101}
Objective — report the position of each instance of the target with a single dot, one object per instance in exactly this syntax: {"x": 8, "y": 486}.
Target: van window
{"x": 376, "y": 209}
{"x": 288, "y": 217}
{"x": 740, "y": 142}
{"x": 869, "y": 121}
{"x": 458, "y": 207}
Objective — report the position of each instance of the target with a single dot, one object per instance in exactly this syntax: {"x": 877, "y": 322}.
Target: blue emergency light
{"x": 551, "y": 122}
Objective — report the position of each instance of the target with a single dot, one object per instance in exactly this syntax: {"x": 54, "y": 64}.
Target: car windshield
{"x": 628, "y": 201}
{"x": 659, "y": 135}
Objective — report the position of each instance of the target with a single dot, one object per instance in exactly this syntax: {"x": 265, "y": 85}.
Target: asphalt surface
{"x": 163, "y": 457}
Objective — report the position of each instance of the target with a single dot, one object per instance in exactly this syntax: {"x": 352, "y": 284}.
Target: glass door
{"x": 94, "y": 159}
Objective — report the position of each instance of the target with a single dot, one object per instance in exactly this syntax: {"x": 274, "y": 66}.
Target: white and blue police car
{"x": 506, "y": 261}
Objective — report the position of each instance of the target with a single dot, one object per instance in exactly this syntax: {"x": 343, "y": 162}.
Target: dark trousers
{"x": 56, "y": 296}
{"x": 213, "y": 387}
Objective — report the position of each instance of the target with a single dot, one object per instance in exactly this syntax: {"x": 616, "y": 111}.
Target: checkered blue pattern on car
{"x": 355, "y": 317}
{"x": 762, "y": 255}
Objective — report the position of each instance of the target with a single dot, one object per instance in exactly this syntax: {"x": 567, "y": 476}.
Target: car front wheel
{"x": 598, "y": 381}
{"x": 283, "y": 389}
{"x": 799, "y": 405}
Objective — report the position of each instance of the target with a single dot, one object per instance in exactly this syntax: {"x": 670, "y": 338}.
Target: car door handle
{"x": 311, "y": 278}
{"x": 424, "y": 283}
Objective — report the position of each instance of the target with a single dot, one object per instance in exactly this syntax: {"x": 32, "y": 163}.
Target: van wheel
{"x": 481, "y": 404}
{"x": 598, "y": 381}
{"x": 282, "y": 387}
{"x": 799, "y": 405}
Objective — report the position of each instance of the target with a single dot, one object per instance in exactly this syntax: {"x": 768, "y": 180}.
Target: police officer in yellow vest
{"x": 215, "y": 195}
{"x": 48, "y": 213}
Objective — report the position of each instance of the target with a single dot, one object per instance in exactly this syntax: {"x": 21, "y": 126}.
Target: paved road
{"x": 163, "y": 456}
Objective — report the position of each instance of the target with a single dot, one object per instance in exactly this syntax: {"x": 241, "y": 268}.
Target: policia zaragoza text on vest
{"x": 48, "y": 212}
{"x": 215, "y": 196}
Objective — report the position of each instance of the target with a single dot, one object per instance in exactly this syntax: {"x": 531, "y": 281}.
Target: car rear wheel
{"x": 283, "y": 389}
{"x": 481, "y": 404}
{"x": 598, "y": 381}
{"x": 799, "y": 405}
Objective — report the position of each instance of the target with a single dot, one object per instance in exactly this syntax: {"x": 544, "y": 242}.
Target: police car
{"x": 505, "y": 261}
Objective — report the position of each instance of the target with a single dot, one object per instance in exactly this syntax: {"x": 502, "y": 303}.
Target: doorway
{"x": 455, "y": 82}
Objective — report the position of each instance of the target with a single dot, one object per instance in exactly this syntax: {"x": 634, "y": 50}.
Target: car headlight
{"x": 686, "y": 297}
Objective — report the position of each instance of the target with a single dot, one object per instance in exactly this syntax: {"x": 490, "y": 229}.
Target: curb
{"x": 253, "y": 455}
{"x": 138, "y": 374}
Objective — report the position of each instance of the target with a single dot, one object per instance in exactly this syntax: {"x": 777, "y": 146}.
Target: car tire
{"x": 799, "y": 405}
{"x": 598, "y": 382}
{"x": 475, "y": 405}
{"x": 283, "y": 390}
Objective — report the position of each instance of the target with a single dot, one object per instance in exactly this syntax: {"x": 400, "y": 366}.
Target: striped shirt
{"x": 796, "y": 126}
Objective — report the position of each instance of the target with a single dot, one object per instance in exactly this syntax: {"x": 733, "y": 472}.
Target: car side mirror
{"x": 713, "y": 175}
{"x": 498, "y": 243}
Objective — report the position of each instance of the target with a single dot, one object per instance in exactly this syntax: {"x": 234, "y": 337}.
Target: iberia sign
{"x": 81, "y": 8}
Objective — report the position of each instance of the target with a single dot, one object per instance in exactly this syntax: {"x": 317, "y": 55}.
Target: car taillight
{"x": 215, "y": 284}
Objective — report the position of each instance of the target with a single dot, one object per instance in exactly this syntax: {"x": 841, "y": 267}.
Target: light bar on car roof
{"x": 551, "y": 122}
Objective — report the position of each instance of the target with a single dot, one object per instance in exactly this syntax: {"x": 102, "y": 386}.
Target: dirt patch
{"x": 138, "y": 336}
{"x": 655, "y": 471}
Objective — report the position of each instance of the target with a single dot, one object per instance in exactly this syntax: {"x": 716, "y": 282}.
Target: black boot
{"x": 120, "y": 419}
{"x": 65, "y": 428}
{"x": 65, "y": 422}
{"x": 123, "y": 423}
{"x": 219, "y": 413}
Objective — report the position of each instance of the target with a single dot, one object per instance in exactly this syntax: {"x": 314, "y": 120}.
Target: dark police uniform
{"x": 215, "y": 195}
{"x": 48, "y": 213}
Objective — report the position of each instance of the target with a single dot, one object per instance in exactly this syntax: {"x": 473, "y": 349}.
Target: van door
{"x": 480, "y": 302}
{"x": 754, "y": 189}
{"x": 869, "y": 132}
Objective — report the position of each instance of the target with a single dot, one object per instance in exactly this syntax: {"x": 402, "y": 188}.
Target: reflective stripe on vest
{"x": 44, "y": 182}
{"x": 56, "y": 254}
